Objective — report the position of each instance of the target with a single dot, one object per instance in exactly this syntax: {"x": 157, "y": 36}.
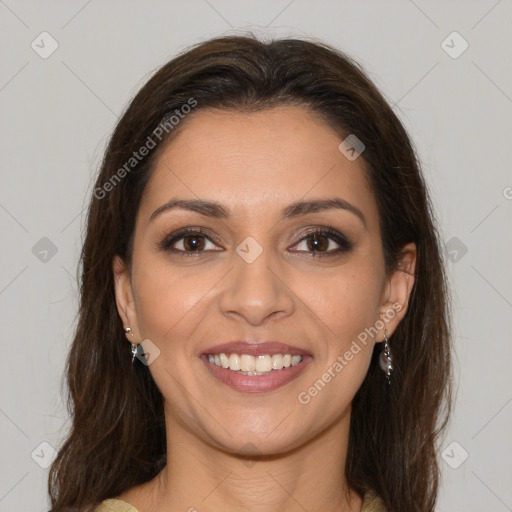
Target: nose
{"x": 257, "y": 290}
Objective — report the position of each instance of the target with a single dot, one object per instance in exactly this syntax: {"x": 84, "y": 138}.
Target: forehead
{"x": 250, "y": 161}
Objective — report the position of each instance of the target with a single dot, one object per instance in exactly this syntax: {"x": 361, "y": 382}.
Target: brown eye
{"x": 323, "y": 242}
{"x": 189, "y": 242}
{"x": 193, "y": 242}
{"x": 318, "y": 243}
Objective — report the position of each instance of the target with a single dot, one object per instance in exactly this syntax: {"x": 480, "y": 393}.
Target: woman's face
{"x": 257, "y": 273}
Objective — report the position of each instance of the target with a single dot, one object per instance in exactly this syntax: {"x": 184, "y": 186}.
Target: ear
{"x": 397, "y": 290}
{"x": 124, "y": 298}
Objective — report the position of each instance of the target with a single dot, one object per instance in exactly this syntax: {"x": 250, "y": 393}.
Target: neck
{"x": 201, "y": 477}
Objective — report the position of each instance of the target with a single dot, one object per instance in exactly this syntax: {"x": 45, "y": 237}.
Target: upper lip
{"x": 255, "y": 348}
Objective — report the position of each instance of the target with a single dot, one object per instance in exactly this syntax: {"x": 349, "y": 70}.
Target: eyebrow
{"x": 296, "y": 209}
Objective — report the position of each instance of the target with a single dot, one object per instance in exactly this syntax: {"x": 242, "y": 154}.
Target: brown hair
{"x": 117, "y": 437}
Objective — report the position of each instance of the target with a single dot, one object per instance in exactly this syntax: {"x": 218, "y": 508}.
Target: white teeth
{"x": 252, "y": 373}
{"x": 277, "y": 362}
{"x": 263, "y": 363}
{"x": 254, "y": 365}
{"x": 234, "y": 362}
{"x": 224, "y": 361}
{"x": 247, "y": 363}
{"x": 296, "y": 360}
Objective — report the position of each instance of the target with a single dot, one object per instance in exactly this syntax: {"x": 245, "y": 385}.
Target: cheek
{"x": 346, "y": 300}
{"x": 165, "y": 296}
{"x": 347, "y": 306}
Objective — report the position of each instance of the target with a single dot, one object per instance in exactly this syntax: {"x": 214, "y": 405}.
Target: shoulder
{"x": 372, "y": 503}
{"x": 114, "y": 505}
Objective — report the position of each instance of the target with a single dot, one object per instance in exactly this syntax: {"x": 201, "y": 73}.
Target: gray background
{"x": 58, "y": 112}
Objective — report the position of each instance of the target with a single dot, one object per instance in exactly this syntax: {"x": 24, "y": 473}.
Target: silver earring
{"x": 134, "y": 345}
{"x": 385, "y": 361}
{"x": 134, "y": 351}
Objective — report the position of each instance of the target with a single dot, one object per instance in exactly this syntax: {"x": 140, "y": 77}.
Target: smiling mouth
{"x": 245, "y": 364}
{"x": 259, "y": 373}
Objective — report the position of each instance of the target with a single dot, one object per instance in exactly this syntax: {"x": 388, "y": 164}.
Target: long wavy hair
{"x": 117, "y": 434}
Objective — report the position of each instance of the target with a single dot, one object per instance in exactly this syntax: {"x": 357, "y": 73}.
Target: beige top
{"x": 371, "y": 503}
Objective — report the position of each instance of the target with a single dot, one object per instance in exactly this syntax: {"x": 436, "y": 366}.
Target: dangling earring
{"x": 385, "y": 361}
{"x": 134, "y": 345}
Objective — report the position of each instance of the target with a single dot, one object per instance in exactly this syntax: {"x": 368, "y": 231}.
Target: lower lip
{"x": 256, "y": 383}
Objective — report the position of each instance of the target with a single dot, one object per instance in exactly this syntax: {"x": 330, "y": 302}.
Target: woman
{"x": 261, "y": 228}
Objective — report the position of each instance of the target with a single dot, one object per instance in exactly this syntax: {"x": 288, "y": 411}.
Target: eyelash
{"x": 339, "y": 238}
